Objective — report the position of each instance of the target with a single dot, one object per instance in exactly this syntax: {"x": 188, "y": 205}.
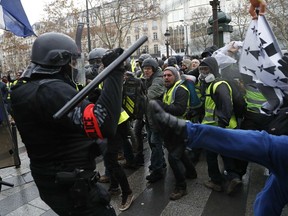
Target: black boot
{"x": 168, "y": 125}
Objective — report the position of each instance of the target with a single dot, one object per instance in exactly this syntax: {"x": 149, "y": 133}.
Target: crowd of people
{"x": 63, "y": 151}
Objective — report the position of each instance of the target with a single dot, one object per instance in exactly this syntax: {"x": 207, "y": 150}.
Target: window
{"x": 155, "y": 37}
{"x": 145, "y": 26}
{"x": 156, "y": 49}
{"x": 154, "y": 25}
{"x": 146, "y": 48}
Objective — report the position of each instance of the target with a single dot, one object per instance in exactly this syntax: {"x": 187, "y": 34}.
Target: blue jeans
{"x": 157, "y": 154}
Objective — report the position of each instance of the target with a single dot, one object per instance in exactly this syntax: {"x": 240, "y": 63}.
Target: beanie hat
{"x": 187, "y": 62}
{"x": 174, "y": 71}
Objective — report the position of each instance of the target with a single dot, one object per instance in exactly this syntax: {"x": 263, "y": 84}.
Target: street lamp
{"x": 186, "y": 36}
{"x": 215, "y": 4}
{"x": 167, "y": 41}
{"x": 88, "y": 27}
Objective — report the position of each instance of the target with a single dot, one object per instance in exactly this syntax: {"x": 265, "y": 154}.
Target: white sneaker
{"x": 126, "y": 202}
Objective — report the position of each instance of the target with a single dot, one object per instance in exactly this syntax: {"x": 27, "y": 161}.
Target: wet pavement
{"x": 150, "y": 199}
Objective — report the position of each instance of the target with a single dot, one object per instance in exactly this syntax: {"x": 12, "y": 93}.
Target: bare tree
{"x": 16, "y": 51}
{"x": 240, "y": 19}
{"x": 112, "y": 20}
{"x": 200, "y": 37}
{"x": 62, "y": 16}
{"x": 276, "y": 15}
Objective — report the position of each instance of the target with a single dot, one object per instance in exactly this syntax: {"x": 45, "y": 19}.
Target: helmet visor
{"x": 78, "y": 70}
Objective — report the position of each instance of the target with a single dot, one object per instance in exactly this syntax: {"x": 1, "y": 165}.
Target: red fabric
{"x": 91, "y": 126}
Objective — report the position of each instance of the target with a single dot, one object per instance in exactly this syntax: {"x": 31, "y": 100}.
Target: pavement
{"x": 150, "y": 199}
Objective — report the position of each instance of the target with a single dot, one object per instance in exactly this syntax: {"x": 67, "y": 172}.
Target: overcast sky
{"x": 34, "y": 9}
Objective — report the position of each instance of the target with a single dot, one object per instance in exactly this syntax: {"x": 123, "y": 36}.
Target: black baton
{"x": 98, "y": 79}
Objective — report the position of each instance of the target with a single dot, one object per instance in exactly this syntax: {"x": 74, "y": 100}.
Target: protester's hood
{"x": 212, "y": 64}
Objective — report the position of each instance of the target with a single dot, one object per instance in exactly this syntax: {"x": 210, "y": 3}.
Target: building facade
{"x": 120, "y": 23}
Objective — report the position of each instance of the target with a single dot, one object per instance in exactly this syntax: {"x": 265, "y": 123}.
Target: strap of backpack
{"x": 176, "y": 87}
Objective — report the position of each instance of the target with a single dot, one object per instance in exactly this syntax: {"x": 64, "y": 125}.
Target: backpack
{"x": 195, "y": 102}
{"x": 238, "y": 96}
{"x": 279, "y": 125}
{"x": 133, "y": 99}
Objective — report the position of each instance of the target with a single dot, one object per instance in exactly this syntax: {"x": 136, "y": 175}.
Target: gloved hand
{"x": 284, "y": 65}
{"x": 170, "y": 127}
{"x": 111, "y": 55}
{"x": 94, "y": 95}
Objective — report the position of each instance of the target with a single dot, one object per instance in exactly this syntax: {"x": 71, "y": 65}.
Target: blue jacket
{"x": 255, "y": 146}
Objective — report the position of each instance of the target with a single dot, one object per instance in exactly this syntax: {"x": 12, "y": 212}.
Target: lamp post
{"x": 167, "y": 41}
{"x": 215, "y": 4}
{"x": 186, "y": 37}
{"x": 88, "y": 27}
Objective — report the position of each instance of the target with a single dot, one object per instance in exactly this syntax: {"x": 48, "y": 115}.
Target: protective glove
{"x": 170, "y": 127}
{"x": 94, "y": 95}
{"x": 111, "y": 55}
{"x": 284, "y": 65}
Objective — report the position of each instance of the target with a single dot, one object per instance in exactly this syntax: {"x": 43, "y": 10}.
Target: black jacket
{"x": 221, "y": 96}
{"x": 179, "y": 106}
{"x": 62, "y": 144}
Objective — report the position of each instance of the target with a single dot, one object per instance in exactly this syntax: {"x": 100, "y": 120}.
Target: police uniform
{"x": 62, "y": 152}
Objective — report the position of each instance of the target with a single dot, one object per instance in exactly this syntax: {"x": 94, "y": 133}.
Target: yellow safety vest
{"x": 168, "y": 96}
{"x": 197, "y": 89}
{"x": 254, "y": 99}
{"x": 210, "y": 118}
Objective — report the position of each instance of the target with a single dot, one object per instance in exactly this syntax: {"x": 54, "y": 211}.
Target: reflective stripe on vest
{"x": 9, "y": 85}
{"x": 254, "y": 99}
{"x": 123, "y": 117}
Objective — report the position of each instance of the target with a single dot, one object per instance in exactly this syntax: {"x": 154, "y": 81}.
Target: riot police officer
{"x": 62, "y": 152}
{"x": 95, "y": 63}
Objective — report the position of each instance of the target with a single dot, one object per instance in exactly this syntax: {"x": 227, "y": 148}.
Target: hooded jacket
{"x": 221, "y": 96}
{"x": 155, "y": 89}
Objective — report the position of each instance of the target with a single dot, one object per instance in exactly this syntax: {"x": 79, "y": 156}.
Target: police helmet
{"x": 142, "y": 57}
{"x": 150, "y": 62}
{"x": 172, "y": 61}
{"x": 96, "y": 53}
{"x": 53, "y": 49}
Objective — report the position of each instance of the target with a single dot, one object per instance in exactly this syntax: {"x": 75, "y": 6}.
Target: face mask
{"x": 207, "y": 77}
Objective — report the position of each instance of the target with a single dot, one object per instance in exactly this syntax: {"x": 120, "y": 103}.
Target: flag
{"x": 13, "y": 18}
{"x": 260, "y": 55}
{"x": 259, "y": 60}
